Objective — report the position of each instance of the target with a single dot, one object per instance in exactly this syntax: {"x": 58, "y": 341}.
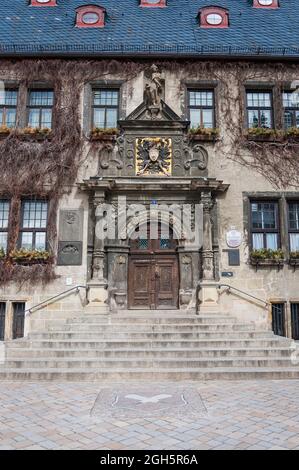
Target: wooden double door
{"x": 153, "y": 281}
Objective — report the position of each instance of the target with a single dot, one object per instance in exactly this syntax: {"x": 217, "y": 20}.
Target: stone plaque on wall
{"x": 71, "y": 225}
{"x": 70, "y": 237}
{"x": 69, "y": 253}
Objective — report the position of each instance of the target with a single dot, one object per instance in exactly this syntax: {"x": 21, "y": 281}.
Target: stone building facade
{"x": 158, "y": 132}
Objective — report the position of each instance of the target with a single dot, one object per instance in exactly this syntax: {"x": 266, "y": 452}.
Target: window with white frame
{"x": 105, "y": 108}
{"x": 40, "y": 108}
{"x": 201, "y": 108}
{"x": 294, "y": 225}
{"x": 265, "y": 225}
{"x": 8, "y": 107}
{"x": 291, "y": 109}
{"x": 4, "y": 218}
{"x": 33, "y": 234}
{"x": 259, "y": 109}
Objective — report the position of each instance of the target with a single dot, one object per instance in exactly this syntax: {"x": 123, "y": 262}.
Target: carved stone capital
{"x": 98, "y": 265}
{"x": 207, "y": 201}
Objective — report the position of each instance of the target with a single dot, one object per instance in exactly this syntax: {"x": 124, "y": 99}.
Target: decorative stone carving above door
{"x": 153, "y": 156}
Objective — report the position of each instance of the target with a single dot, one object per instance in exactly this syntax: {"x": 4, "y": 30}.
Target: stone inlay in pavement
{"x": 253, "y": 414}
{"x": 148, "y": 400}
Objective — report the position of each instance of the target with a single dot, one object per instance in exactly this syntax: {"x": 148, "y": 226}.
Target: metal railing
{"x": 244, "y": 293}
{"x": 48, "y": 301}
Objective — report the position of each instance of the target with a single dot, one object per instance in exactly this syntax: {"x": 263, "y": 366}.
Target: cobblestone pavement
{"x": 232, "y": 415}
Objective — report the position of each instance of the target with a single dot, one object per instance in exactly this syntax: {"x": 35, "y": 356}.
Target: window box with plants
{"x": 264, "y": 134}
{"x": 266, "y": 257}
{"x": 2, "y": 254}
{"x": 203, "y": 134}
{"x": 4, "y": 131}
{"x": 35, "y": 133}
{"x": 101, "y": 134}
{"x": 294, "y": 258}
{"x": 292, "y": 134}
{"x": 28, "y": 257}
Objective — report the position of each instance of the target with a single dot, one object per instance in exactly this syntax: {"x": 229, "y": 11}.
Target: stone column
{"x": 208, "y": 293}
{"x": 97, "y": 293}
{"x": 207, "y": 248}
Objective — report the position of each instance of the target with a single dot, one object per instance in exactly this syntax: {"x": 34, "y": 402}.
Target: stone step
{"x": 22, "y": 353}
{"x": 132, "y": 363}
{"x": 219, "y": 334}
{"x": 100, "y": 375}
{"x": 124, "y": 320}
{"x": 262, "y": 342}
{"x": 166, "y": 327}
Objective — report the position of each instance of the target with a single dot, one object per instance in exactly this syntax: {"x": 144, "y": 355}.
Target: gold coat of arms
{"x": 153, "y": 156}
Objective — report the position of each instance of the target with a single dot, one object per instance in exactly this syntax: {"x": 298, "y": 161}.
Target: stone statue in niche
{"x": 153, "y": 93}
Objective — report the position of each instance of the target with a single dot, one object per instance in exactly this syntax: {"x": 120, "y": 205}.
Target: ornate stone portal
{"x": 156, "y": 165}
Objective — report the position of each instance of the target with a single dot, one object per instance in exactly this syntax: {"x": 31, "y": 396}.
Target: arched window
{"x": 153, "y": 3}
{"x": 214, "y": 17}
{"x": 90, "y": 16}
{"x": 265, "y": 3}
{"x": 43, "y": 3}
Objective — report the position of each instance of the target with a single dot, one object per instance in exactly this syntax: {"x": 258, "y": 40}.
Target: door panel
{"x": 295, "y": 320}
{"x": 166, "y": 283}
{"x": 140, "y": 283}
{"x": 2, "y": 320}
{"x": 278, "y": 319}
{"x": 18, "y": 319}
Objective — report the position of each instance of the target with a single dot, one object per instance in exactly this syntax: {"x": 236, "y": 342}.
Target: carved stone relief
{"x": 153, "y": 156}
{"x": 197, "y": 156}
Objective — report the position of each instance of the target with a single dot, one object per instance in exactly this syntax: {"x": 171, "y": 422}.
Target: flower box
{"x": 203, "y": 135}
{"x": 104, "y": 135}
{"x": 30, "y": 257}
{"x": 267, "y": 258}
{"x": 264, "y": 135}
{"x": 292, "y": 134}
{"x": 4, "y": 132}
{"x": 35, "y": 133}
{"x": 294, "y": 262}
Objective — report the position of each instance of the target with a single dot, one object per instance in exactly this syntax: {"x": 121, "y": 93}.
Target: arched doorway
{"x": 153, "y": 281}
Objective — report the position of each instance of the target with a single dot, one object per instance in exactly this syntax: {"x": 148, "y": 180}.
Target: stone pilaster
{"x": 97, "y": 292}
{"x": 208, "y": 293}
{"x": 207, "y": 249}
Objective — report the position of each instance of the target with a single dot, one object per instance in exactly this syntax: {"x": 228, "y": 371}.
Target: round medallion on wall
{"x": 233, "y": 238}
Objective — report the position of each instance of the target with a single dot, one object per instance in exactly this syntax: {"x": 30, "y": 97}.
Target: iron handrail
{"x": 243, "y": 292}
{"x": 46, "y": 302}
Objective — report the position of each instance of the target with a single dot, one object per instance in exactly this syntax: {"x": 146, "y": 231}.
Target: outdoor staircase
{"x": 149, "y": 345}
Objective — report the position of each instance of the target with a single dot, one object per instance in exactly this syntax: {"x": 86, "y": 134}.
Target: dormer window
{"x": 265, "y": 3}
{"x": 90, "y": 16}
{"x": 153, "y": 3}
{"x": 43, "y": 3}
{"x": 214, "y": 17}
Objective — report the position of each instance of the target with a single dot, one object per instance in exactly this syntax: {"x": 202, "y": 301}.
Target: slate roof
{"x": 133, "y": 30}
